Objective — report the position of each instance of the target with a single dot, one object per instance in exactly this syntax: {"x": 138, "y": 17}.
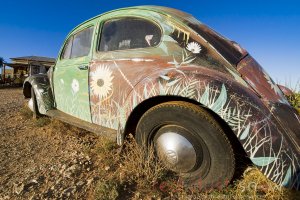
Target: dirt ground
{"x": 43, "y": 159}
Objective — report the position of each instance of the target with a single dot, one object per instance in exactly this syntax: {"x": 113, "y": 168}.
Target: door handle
{"x": 83, "y": 67}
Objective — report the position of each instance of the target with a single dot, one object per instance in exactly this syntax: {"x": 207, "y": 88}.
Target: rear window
{"x": 221, "y": 44}
{"x": 230, "y": 51}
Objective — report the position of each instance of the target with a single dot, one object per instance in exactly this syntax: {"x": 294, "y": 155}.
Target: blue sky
{"x": 269, "y": 30}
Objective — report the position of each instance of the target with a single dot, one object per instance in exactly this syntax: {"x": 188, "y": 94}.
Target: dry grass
{"x": 42, "y": 121}
{"x": 140, "y": 167}
{"x": 135, "y": 174}
{"x": 132, "y": 173}
{"x": 295, "y": 101}
{"x": 26, "y": 112}
{"x": 295, "y": 98}
{"x": 256, "y": 186}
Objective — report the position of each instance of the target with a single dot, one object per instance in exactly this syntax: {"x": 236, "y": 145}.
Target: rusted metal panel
{"x": 286, "y": 91}
{"x": 260, "y": 81}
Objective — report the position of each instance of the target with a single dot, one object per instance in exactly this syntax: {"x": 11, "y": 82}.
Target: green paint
{"x": 71, "y": 87}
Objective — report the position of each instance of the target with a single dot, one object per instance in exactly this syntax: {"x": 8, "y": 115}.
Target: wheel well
{"x": 27, "y": 90}
{"x": 242, "y": 160}
{"x": 138, "y": 111}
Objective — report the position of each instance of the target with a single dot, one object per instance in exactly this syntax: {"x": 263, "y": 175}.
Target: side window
{"x": 67, "y": 49}
{"x": 129, "y": 33}
{"x": 82, "y": 43}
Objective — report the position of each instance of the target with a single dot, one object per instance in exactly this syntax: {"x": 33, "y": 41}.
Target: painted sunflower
{"x": 101, "y": 81}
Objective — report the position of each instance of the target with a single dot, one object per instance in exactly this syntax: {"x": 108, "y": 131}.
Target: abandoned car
{"x": 176, "y": 84}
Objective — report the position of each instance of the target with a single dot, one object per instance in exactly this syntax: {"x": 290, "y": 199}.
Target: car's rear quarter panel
{"x": 264, "y": 140}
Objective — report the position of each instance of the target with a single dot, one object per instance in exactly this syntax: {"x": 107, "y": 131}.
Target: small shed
{"x": 26, "y": 66}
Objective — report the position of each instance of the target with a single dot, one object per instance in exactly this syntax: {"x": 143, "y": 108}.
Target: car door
{"x": 71, "y": 74}
{"x": 127, "y": 52}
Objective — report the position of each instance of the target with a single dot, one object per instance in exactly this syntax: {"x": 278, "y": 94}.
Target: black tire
{"x": 215, "y": 162}
{"x": 36, "y": 113}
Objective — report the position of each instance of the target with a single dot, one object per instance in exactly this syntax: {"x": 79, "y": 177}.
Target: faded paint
{"x": 41, "y": 87}
{"x": 243, "y": 95}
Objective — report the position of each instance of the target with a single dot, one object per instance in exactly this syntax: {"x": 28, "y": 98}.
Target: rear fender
{"x": 238, "y": 105}
{"x": 42, "y": 90}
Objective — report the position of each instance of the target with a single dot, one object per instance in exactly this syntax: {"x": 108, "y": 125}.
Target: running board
{"x": 111, "y": 134}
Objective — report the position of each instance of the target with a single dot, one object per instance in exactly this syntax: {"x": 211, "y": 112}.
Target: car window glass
{"x": 199, "y": 49}
{"x": 129, "y": 33}
{"x": 67, "y": 49}
{"x": 82, "y": 43}
{"x": 230, "y": 51}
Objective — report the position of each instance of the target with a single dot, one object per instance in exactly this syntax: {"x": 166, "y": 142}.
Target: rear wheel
{"x": 189, "y": 141}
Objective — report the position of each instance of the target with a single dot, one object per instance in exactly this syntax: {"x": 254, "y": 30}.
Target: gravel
{"x": 47, "y": 161}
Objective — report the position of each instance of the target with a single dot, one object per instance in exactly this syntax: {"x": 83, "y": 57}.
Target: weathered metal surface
{"x": 99, "y": 130}
{"x": 286, "y": 91}
{"x": 71, "y": 72}
{"x": 283, "y": 117}
{"x": 193, "y": 62}
{"x": 41, "y": 86}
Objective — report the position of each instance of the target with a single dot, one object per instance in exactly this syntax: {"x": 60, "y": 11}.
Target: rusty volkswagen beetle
{"x": 173, "y": 82}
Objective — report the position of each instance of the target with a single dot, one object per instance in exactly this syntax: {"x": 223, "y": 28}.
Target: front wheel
{"x": 190, "y": 142}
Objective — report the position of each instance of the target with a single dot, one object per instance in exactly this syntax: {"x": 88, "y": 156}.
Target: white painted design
{"x": 75, "y": 86}
{"x": 194, "y": 47}
{"x": 148, "y": 39}
{"x": 101, "y": 81}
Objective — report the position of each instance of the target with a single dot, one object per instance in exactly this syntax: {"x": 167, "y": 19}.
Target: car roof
{"x": 159, "y": 9}
{"x": 230, "y": 50}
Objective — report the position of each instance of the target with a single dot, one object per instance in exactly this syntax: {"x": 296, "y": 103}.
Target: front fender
{"x": 42, "y": 89}
{"x": 262, "y": 137}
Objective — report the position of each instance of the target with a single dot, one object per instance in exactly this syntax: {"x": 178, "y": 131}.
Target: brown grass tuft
{"x": 26, "y": 112}
{"x": 131, "y": 173}
{"x": 140, "y": 166}
{"x": 294, "y": 99}
{"x": 255, "y": 185}
{"x": 42, "y": 121}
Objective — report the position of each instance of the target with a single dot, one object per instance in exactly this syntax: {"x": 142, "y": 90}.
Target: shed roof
{"x": 34, "y": 58}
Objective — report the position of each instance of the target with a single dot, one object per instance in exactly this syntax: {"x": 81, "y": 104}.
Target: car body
{"x": 105, "y": 80}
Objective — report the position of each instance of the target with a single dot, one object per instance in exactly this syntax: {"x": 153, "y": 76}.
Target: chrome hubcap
{"x": 175, "y": 150}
